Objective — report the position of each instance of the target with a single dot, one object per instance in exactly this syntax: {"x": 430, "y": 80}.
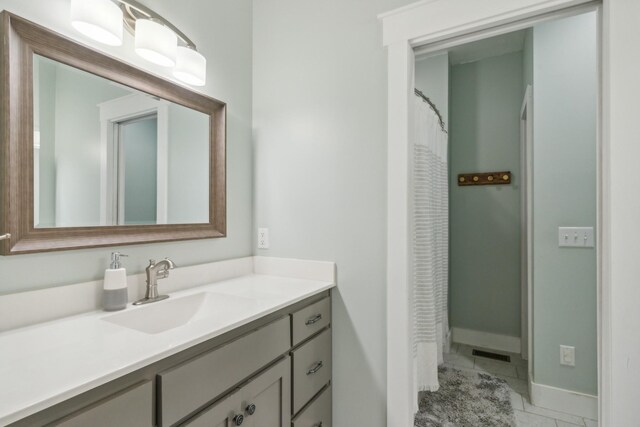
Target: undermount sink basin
{"x": 172, "y": 313}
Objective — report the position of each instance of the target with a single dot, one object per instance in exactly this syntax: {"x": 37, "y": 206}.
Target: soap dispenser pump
{"x": 115, "y": 294}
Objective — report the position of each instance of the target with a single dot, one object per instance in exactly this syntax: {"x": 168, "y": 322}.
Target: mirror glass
{"x": 106, "y": 154}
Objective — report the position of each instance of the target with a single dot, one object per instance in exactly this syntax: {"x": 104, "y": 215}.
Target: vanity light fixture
{"x": 156, "y": 39}
{"x": 156, "y": 43}
{"x": 100, "y": 20}
{"x": 191, "y": 66}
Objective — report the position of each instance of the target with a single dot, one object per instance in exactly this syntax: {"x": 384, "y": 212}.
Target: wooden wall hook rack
{"x": 484, "y": 178}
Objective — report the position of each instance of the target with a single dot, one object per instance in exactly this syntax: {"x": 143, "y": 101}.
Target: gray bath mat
{"x": 466, "y": 399}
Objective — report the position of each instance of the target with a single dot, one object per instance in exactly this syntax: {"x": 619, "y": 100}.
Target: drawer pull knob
{"x": 313, "y": 320}
{"x": 238, "y": 419}
{"x": 315, "y": 369}
{"x": 251, "y": 409}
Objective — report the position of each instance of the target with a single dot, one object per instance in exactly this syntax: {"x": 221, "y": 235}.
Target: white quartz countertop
{"x": 45, "y": 364}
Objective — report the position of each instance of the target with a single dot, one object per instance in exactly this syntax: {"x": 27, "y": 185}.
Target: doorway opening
{"x": 522, "y": 260}
{"x": 134, "y": 168}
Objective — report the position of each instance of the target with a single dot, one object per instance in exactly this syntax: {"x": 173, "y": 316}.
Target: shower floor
{"x": 515, "y": 374}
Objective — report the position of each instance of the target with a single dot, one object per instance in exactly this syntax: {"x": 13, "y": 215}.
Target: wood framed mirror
{"x": 95, "y": 152}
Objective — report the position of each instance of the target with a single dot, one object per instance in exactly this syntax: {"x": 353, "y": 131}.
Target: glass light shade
{"x": 191, "y": 67}
{"x": 156, "y": 43}
{"x": 100, "y": 20}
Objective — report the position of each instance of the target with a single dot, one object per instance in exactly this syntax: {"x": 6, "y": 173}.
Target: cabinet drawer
{"x": 310, "y": 320}
{"x": 187, "y": 387}
{"x": 311, "y": 369}
{"x": 131, "y": 407}
{"x": 318, "y": 414}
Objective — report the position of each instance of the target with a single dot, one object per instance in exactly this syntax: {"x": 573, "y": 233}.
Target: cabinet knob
{"x": 238, "y": 419}
{"x": 251, "y": 409}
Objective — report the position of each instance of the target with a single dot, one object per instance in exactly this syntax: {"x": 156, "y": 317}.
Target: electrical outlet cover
{"x": 567, "y": 355}
{"x": 263, "y": 238}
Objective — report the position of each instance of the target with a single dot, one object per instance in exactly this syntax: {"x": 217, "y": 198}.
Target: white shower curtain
{"x": 430, "y": 254}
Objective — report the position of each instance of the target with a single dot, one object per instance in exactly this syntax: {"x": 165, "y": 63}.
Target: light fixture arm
{"x": 133, "y": 10}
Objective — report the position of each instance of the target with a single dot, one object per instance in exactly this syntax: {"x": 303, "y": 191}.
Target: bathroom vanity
{"x": 254, "y": 350}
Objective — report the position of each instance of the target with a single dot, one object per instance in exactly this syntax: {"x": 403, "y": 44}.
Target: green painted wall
{"x": 432, "y": 78}
{"x": 486, "y": 97}
{"x": 139, "y": 140}
{"x": 565, "y": 99}
{"x": 527, "y": 59}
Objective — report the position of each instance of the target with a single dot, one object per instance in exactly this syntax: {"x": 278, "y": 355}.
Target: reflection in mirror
{"x": 106, "y": 154}
{"x": 136, "y": 184}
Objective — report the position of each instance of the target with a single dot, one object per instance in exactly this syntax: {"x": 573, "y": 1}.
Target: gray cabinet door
{"x": 131, "y": 407}
{"x": 191, "y": 385}
{"x": 267, "y": 398}
{"x": 223, "y": 413}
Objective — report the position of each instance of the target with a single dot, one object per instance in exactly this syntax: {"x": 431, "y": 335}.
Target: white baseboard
{"x": 570, "y": 402}
{"x": 487, "y": 340}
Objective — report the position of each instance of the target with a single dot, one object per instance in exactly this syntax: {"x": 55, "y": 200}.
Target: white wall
{"x": 77, "y": 144}
{"x": 222, "y": 30}
{"x": 320, "y": 114}
{"x": 44, "y": 119}
{"x": 188, "y": 180}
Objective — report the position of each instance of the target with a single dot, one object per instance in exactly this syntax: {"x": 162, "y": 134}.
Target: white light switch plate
{"x": 580, "y": 237}
{"x": 263, "y": 238}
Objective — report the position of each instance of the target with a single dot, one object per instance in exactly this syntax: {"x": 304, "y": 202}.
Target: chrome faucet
{"x": 155, "y": 271}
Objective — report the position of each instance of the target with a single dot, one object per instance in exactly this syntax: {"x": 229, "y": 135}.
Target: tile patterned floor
{"x": 515, "y": 373}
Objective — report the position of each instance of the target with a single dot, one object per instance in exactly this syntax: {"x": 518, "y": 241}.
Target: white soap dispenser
{"x": 115, "y": 296}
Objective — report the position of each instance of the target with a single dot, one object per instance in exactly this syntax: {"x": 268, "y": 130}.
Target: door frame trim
{"x": 526, "y": 266}
{"x": 115, "y": 111}
{"x": 459, "y": 21}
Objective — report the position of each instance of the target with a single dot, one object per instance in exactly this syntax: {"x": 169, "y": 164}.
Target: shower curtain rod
{"x": 433, "y": 107}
